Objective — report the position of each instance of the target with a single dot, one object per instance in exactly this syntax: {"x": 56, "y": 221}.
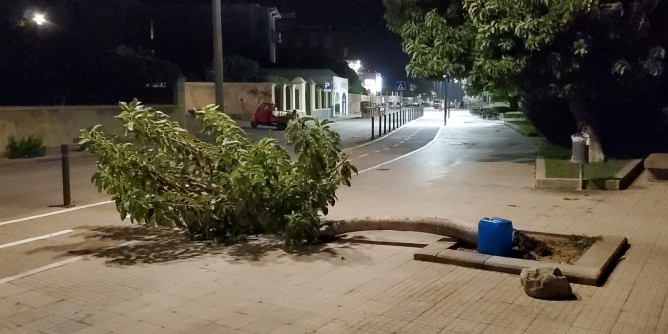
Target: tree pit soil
{"x": 562, "y": 249}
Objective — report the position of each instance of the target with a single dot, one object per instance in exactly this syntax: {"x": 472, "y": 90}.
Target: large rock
{"x": 545, "y": 283}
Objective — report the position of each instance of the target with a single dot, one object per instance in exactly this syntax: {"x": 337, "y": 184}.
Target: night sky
{"x": 377, "y": 47}
{"x": 185, "y": 37}
{"x": 371, "y": 41}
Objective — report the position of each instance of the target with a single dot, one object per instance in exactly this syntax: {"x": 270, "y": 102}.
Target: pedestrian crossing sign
{"x": 401, "y": 85}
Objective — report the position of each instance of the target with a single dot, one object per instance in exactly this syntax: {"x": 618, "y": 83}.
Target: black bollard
{"x": 372, "y": 128}
{"x": 65, "y": 153}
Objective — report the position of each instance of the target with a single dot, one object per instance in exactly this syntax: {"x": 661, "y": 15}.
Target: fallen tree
{"x": 432, "y": 225}
{"x": 160, "y": 174}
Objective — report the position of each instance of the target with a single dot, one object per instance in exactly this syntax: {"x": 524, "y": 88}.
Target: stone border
{"x": 591, "y": 269}
{"x": 622, "y": 180}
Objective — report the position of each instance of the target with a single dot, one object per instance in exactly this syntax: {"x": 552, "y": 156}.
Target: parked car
{"x": 266, "y": 115}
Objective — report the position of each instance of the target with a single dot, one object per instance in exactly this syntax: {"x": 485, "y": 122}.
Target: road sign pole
{"x": 401, "y": 100}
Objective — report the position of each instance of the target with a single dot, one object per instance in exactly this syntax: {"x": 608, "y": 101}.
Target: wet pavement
{"x": 472, "y": 169}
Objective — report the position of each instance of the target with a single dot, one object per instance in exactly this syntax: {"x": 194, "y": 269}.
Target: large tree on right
{"x": 573, "y": 64}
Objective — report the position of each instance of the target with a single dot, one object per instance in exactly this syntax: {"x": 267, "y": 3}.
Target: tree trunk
{"x": 433, "y": 225}
{"x": 581, "y": 112}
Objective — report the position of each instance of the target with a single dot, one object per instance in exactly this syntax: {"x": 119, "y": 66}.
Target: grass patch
{"x": 564, "y": 169}
{"x": 548, "y": 150}
{"x": 558, "y": 164}
{"x": 523, "y": 127}
{"x": 513, "y": 115}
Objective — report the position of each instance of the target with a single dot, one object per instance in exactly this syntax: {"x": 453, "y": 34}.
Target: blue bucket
{"x": 495, "y": 236}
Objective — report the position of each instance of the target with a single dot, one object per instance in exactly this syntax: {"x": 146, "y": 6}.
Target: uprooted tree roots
{"x": 530, "y": 247}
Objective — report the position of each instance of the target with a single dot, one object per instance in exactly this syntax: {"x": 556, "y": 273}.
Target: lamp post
{"x": 218, "y": 53}
{"x": 445, "y": 100}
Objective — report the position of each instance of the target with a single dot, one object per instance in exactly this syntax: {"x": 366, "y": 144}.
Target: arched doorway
{"x": 344, "y": 103}
{"x": 337, "y": 104}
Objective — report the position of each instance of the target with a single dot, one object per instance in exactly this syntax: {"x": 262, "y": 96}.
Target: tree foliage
{"x": 600, "y": 57}
{"x": 238, "y": 68}
{"x": 165, "y": 176}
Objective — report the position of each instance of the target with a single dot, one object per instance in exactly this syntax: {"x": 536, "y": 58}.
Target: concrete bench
{"x": 657, "y": 166}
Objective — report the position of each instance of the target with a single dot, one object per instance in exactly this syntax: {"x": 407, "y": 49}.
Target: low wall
{"x": 241, "y": 99}
{"x": 622, "y": 180}
{"x": 58, "y": 125}
{"x": 354, "y": 101}
{"x": 322, "y": 113}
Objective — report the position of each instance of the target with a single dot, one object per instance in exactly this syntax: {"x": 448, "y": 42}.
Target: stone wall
{"x": 241, "y": 99}
{"x": 58, "y": 125}
{"x": 354, "y": 102}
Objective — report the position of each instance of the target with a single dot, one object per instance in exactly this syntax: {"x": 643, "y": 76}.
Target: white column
{"x": 293, "y": 105}
{"x": 283, "y": 97}
{"x": 311, "y": 92}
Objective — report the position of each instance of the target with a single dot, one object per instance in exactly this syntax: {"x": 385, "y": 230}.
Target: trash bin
{"x": 580, "y": 152}
{"x": 495, "y": 236}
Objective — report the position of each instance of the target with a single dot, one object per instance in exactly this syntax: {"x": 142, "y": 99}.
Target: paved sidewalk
{"x": 473, "y": 169}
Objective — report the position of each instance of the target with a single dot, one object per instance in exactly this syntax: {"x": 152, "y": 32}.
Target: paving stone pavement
{"x": 364, "y": 288}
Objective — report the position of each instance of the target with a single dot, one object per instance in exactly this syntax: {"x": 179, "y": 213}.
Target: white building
{"x": 334, "y": 98}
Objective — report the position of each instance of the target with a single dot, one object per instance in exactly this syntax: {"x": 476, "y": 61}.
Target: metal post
{"x": 447, "y": 83}
{"x": 445, "y": 105}
{"x": 385, "y": 124}
{"x": 581, "y": 179}
{"x": 65, "y": 153}
{"x": 380, "y": 122}
{"x": 372, "y": 128}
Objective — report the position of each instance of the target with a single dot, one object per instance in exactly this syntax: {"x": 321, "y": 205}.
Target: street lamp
{"x": 39, "y": 18}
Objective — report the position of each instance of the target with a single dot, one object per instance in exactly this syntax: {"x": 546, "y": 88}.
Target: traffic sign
{"x": 401, "y": 85}
{"x": 328, "y": 86}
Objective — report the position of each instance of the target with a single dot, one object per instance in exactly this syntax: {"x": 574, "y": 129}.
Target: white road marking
{"x": 395, "y": 145}
{"x": 40, "y": 269}
{"x": 363, "y": 155}
{"x": 53, "y": 265}
{"x": 405, "y": 155}
{"x": 41, "y": 237}
{"x": 53, "y": 213}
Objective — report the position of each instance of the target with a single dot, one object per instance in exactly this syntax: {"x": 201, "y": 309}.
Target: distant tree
{"x": 342, "y": 69}
{"x": 238, "y": 68}
{"x": 601, "y": 60}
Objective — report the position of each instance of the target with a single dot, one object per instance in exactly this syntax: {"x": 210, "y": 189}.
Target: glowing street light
{"x": 39, "y": 19}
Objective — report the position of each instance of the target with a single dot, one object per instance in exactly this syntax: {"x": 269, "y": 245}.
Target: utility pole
{"x": 218, "y": 53}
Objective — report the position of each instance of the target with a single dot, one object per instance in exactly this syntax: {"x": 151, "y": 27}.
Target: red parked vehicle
{"x": 265, "y": 115}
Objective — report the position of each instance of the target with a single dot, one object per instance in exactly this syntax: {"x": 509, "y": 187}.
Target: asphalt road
{"x": 35, "y": 232}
